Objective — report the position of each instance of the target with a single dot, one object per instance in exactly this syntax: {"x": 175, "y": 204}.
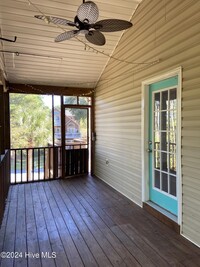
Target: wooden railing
{"x": 45, "y": 163}
{"x": 35, "y": 164}
{"x": 4, "y": 181}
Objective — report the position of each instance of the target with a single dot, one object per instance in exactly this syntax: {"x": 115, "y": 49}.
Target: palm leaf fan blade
{"x": 112, "y": 25}
{"x": 95, "y": 37}
{"x": 66, "y": 35}
{"x": 62, "y": 21}
{"x": 55, "y": 20}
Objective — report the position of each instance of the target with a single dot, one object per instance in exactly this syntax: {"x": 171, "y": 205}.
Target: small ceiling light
{"x": 88, "y": 12}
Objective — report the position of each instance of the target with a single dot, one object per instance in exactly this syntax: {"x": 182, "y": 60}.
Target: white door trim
{"x": 145, "y": 157}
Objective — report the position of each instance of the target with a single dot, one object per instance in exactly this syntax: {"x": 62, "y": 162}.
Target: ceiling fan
{"x": 85, "y": 22}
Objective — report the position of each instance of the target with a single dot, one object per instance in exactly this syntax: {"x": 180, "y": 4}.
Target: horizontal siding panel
{"x": 120, "y": 102}
{"x": 111, "y": 152}
{"x": 192, "y": 142}
{"x": 171, "y": 46}
{"x": 192, "y": 111}
{"x": 128, "y": 174}
{"x": 192, "y": 202}
{"x": 191, "y": 133}
{"x": 121, "y": 107}
{"x": 169, "y": 53}
{"x": 191, "y": 152}
{"x": 192, "y": 122}
{"x": 115, "y": 90}
{"x": 190, "y": 171}
{"x": 189, "y": 220}
{"x": 192, "y": 93}
{"x": 165, "y": 34}
{"x": 190, "y": 233}
{"x": 123, "y": 141}
{"x": 192, "y": 162}
{"x": 191, "y": 192}
{"x": 191, "y": 182}
{"x": 159, "y": 27}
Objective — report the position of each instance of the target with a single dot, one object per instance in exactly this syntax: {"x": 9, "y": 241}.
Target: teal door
{"x": 162, "y": 144}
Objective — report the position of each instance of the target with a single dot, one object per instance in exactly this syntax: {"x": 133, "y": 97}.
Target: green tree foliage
{"x": 30, "y": 121}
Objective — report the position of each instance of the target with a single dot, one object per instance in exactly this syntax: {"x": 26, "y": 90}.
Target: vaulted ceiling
{"x": 36, "y": 59}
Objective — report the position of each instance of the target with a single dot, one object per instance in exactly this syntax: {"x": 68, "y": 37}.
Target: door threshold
{"x": 162, "y": 215}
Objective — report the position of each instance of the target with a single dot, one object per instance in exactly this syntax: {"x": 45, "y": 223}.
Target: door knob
{"x": 149, "y": 150}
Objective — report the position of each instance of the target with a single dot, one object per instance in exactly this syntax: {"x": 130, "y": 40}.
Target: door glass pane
{"x": 164, "y": 120}
{"x": 157, "y": 140}
{"x": 157, "y": 160}
{"x": 164, "y": 182}
{"x": 172, "y": 143}
{"x": 172, "y": 185}
{"x": 172, "y": 163}
{"x": 164, "y": 162}
{"x": 172, "y": 97}
{"x": 156, "y": 121}
{"x": 164, "y": 141}
{"x": 157, "y": 102}
{"x": 164, "y": 97}
{"x": 172, "y": 120}
{"x": 157, "y": 179}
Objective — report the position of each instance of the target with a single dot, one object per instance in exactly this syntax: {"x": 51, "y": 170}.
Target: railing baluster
{"x": 44, "y": 163}
{"x": 21, "y": 163}
{"x": 49, "y": 153}
{"x": 33, "y": 154}
{"x": 15, "y": 165}
{"x": 60, "y": 163}
{"x": 27, "y": 172}
{"x": 38, "y": 164}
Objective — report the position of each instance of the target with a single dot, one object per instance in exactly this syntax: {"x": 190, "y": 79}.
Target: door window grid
{"x": 164, "y": 141}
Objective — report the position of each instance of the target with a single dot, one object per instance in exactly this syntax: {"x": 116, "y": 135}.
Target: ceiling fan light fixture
{"x": 88, "y": 12}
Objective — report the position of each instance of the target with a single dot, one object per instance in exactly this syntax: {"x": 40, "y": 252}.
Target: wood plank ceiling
{"x": 36, "y": 59}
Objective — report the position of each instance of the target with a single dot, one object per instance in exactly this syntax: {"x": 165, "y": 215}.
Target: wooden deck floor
{"x": 84, "y": 222}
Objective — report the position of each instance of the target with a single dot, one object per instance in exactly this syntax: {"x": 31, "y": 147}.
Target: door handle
{"x": 149, "y": 150}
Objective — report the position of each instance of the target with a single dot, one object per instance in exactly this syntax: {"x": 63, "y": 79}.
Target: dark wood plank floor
{"x": 83, "y": 222}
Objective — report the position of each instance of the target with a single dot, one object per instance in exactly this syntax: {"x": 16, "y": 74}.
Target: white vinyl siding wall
{"x": 167, "y": 33}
